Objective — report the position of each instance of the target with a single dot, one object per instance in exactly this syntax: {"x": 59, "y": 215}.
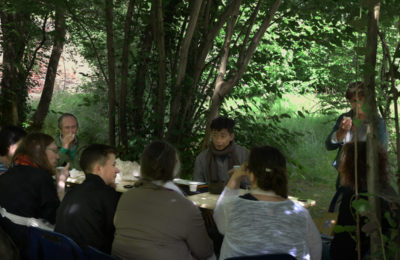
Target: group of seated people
{"x": 154, "y": 220}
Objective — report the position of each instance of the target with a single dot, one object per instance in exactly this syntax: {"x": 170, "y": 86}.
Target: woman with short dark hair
{"x": 264, "y": 221}
{"x": 10, "y": 137}
{"x": 28, "y": 194}
{"x": 154, "y": 220}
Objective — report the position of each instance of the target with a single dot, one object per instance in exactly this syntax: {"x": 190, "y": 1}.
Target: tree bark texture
{"x": 124, "y": 76}
{"x": 111, "y": 70}
{"x": 372, "y": 119}
{"x": 13, "y": 87}
{"x": 58, "y": 45}
{"x": 159, "y": 107}
{"x": 140, "y": 81}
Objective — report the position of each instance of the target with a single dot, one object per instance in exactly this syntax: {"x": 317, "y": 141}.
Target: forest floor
{"x": 322, "y": 193}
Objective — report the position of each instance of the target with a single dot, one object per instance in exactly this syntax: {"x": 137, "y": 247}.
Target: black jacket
{"x": 29, "y": 192}
{"x": 86, "y": 213}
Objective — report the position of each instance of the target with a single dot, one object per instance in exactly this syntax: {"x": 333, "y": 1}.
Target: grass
{"x": 315, "y": 178}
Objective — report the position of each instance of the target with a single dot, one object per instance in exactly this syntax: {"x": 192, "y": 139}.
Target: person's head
{"x": 222, "y": 132}
{"x": 40, "y": 149}
{"x": 267, "y": 167}
{"x": 159, "y": 161}
{"x": 347, "y": 163}
{"x": 355, "y": 95}
{"x": 67, "y": 124}
{"x": 10, "y": 137}
{"x": 99, "y": 159}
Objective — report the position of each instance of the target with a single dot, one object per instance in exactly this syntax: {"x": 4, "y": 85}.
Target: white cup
{"x": 193, "y": 187}
{"x": 235, "y": 167}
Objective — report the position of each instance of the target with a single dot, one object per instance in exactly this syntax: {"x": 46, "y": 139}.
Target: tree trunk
{"x": 111, "y": 71}
{"x": 124, "y": 76}
{"x": 372, "y": 119}
{"x": 221, "y": 74}
{"x": 13, "y": 88}
{"x": 58, "y": 45}
{"x": 184, "y": 94}
{"x": 140, "y": 82}
{"x": 158, "y": 29}
{"x": 235, "y": 75}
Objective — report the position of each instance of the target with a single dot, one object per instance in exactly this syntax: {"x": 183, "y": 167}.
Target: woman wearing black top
{"x": 27, "y": 189}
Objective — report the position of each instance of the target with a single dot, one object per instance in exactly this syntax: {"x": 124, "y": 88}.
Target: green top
{"x": 71, "y": 155}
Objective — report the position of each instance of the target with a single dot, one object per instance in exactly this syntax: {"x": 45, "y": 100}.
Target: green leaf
{"x": 389, "y": 219}
{"x": 361, "y": 205}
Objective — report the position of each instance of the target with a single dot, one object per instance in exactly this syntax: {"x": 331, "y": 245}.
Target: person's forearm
{"x": 233, "y": 183}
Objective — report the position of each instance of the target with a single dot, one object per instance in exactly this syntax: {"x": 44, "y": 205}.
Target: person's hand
{"x": 345, "y": 126}
{"x": 67, "y": 140}
{"x": 237, "y": 176}
{"x": 61, "y": 179}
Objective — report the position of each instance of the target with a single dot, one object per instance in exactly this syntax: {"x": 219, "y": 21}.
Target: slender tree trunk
{"x": 124, "y": 76}
{"x": 140, "y": 82}
{"x": 184, "y": 95}
{"x": 372, "y": 117}
{"x": 111, "y": 71}
{"x": 183, "y": 58}
{"x": 221, "y": 74}
{"x": 58, "y": 45}
{"x": 13, "y": 88}
{"x": 235, "y": 75}
{"x": 158, "y": 29}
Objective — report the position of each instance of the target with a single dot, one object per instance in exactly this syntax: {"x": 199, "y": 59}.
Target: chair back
{"x": 263, "y": 257}
{"x": 92, "y": 253}
{"x": 44, "y": 244}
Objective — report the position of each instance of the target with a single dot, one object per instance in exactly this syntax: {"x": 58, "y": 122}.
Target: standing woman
{"x": 27, "y": 190}
{"x": 10, "y": 137}
{"x": 264, "y": 221}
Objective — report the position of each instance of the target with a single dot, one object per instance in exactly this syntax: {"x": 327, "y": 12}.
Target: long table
{"x": 207, "y": 200}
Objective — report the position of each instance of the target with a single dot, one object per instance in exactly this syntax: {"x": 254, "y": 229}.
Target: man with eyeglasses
{"x": 215, "y": 164}
{"x": 70, "y": 146}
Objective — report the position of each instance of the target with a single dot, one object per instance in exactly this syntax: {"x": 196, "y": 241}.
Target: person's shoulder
{"x": 202, "y": 154}
{"x": 33, "y": 171}
{"x": 240, "y": 148}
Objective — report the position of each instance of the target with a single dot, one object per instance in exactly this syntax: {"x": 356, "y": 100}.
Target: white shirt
{"x": 265, "y": 227}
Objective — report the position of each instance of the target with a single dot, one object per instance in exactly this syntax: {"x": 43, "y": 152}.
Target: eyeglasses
{"x": 54, "y": 150}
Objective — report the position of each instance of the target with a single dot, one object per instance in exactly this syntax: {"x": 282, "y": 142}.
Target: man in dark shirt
{"x": 87, "y": 211}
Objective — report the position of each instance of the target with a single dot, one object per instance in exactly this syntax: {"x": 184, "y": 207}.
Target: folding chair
{"x": 45, "y": 244}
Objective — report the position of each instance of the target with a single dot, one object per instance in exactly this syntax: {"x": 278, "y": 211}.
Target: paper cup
{"x": 193, "y": 187}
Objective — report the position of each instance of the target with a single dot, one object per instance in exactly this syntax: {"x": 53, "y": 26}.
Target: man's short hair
{"x": 95, "y": 153}
{"x": 60, "y": 119}
{"x": 353, "y": 88}
{"x": 222, "y": 122}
